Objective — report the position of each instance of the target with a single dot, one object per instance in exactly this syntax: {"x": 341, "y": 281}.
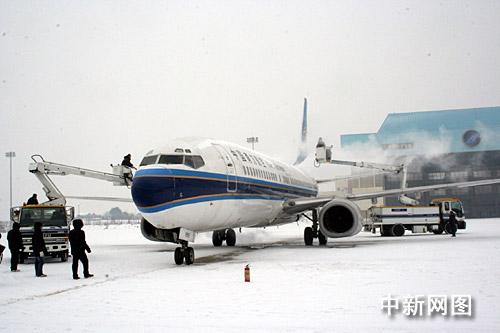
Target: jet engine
{"x": 340, "y": 218}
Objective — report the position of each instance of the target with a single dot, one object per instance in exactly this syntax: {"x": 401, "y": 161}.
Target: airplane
{"x": 194, "y": 185}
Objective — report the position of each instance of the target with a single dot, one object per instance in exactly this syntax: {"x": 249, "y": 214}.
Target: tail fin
{"x": 303, "y": 144}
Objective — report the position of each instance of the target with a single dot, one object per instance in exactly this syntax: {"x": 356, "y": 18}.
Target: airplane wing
{"x": 294, "y": 206}
{"x": 321, "y": 181}
{"x": 426, "y": 188}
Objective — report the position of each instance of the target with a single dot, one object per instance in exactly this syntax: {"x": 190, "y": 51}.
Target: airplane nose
{"x": 153, "y": 190}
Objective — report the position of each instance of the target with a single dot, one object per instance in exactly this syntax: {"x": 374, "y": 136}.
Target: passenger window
{"x": 147, "y": 160}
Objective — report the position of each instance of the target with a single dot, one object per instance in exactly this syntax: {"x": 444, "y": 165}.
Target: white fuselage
{"x": 204, "y": 185}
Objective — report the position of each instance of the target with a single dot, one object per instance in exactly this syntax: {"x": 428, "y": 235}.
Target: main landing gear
{"x": 184, "y": 253}
{"x": 228, "y": 235}
{"x": 313, "y": 232}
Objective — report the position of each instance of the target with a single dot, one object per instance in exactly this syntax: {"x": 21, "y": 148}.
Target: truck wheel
{"x": 385, "y": 230}
{"x": 398, "y": 230}
{"x": 438, "y": 231}
{"x": 64, "y": 256}
{"x": 22, "y": 258}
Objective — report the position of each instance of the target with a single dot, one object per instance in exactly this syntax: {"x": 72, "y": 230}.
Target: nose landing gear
{"x": 184, "y": 253}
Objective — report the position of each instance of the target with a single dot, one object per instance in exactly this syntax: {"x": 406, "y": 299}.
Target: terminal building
{"x": 437, "y": 147}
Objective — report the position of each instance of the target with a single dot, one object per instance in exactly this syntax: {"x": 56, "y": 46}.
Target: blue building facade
{"x": 441, "y": 147}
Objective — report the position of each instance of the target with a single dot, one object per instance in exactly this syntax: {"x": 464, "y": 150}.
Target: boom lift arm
{"x": 41, "y": 169}
{"x": 324, "y": 154}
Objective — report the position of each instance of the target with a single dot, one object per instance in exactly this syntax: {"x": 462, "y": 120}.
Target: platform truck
{"x": 394, "y": 221}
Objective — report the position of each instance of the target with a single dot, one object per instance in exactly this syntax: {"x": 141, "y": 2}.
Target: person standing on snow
{"x": 15, "y": 246}
{"x": 453, "y": 224}
{"x": 39, "y": 249}
{"x": 78, "y": 248}
{"x": 1, "y": 250}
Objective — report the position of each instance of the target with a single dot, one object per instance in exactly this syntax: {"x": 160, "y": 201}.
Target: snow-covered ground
{"x": 137, "y": 286}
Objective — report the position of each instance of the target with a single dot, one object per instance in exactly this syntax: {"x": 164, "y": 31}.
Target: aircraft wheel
{"x": 308, "y": 236}
{"x": 178, "y": 256}
{"x": 189, "y": 255}
{"x": 217, "y": 238}
{"x": 230, "y": 237}
{"x": 322, "y": 238}
{"x": 398, "y": 230}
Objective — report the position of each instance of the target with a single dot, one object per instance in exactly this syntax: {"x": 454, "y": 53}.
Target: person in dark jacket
{"x": 15, "y": 246}
{"x": 1, "y": 250}
{"x": 39, "y": 250}
{"x": 78, "y": 248}
{"x": 127, "y": 161}
{"x": 453, "y": 224}
{"x": 33, "y": 200}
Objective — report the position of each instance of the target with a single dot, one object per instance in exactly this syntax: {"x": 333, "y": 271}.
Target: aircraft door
{"x": 232, "y": 177}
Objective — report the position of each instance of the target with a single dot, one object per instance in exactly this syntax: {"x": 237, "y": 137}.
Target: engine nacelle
{"x": 340, "y": 218}
{"x": 155, "y": 234}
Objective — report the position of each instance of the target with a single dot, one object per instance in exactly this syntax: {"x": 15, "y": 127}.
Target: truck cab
{"x": 55, "y": 220}
{"x": 446, "y": 205}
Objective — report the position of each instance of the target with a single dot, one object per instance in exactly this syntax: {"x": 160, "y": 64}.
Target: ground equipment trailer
{"x": 55, "y": 220}
{"x": 394, "y": 221}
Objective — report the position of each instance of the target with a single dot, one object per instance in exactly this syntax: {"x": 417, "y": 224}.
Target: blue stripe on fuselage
{"x": 155, "y": 190}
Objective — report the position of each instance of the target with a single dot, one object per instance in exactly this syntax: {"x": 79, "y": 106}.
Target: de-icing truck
{"x": 53, "y": 214}
{"x": 394, "y": 221}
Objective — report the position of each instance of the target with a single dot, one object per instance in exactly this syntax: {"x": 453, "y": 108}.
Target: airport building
{"x": 437, "y": 147}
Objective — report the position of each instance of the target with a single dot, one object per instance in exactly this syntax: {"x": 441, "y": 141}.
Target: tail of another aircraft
{"x": 303, "y": 144}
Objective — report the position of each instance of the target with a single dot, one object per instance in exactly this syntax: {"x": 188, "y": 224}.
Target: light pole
{"x": 253, "y": 140}
{"x": 10, "y": 154}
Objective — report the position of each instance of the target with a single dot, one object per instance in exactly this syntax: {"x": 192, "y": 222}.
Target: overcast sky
{"x": 86, "y": 82}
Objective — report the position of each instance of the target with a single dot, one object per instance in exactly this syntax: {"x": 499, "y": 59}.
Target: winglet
{"x": 303, "y": 144}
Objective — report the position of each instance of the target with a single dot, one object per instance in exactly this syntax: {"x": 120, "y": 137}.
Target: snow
{"x": 137, "y": 286}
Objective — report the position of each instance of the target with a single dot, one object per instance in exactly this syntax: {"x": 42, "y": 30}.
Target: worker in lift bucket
{"x": 453, "y": 224}
{"x": 33, "y": 200}
{"x": 128, "y": 163}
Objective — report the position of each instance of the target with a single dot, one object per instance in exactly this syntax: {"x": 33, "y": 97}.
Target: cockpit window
{"x": 198, "y": 161}
{"x": 171, "y": 159}
{"x": 192, "y": 161}
{"x": 147, "y": 160}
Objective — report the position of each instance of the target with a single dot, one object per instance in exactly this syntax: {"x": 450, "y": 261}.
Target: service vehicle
{"x": 55, "y": 220}
{"x": 394, "y": 221}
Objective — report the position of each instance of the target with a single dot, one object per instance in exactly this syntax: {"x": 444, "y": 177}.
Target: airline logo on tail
{"x": 303, "y": 143}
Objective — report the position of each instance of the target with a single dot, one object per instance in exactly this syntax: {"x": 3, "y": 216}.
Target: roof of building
{"x": 414, "y": 133}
